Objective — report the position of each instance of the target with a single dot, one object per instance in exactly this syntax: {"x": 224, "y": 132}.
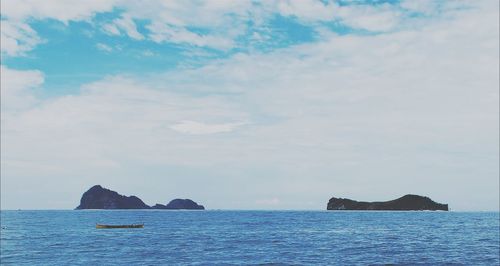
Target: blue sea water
{"x": 250, "y": 237}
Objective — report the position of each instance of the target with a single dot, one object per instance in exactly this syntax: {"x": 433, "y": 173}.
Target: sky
{"x": 250, "y": 104}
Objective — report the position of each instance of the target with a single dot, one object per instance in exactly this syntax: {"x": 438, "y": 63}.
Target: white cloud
{"x": 371, "y": 18}
{"x": 207, "y": 14}
{"x": 104, "y": 116}
{"x": 421, "y": 6}
{"x": 17, "y": 88}
{"x": 104, "y": 47}
{"x": 125, "y": 23}
{"x": 359, "y": 16}
{"x": 165, "y": 33}
{"x": 17, "y": 38}
{"x": 197, "y": 128}
{"x": 169, "y": 20}
{"x": 63, "y": 10}
{"x": 111, "y": 29}
{"x": 307, "y": 9}
{"x": 172, "y": 21}
{"x": 128, "y": 25}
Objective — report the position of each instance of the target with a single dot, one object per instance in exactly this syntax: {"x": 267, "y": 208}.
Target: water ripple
{"x": 250, "y": 238}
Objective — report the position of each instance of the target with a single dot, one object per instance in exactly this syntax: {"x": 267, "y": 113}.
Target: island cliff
{"x": 98, "y": 197}
{"x": 405, "y": 203}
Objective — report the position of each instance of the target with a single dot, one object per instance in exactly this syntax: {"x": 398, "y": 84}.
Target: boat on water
{"x": 109, "y": 226}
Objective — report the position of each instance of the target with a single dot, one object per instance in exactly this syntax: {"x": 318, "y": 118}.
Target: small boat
{"x": 108, "y": 226}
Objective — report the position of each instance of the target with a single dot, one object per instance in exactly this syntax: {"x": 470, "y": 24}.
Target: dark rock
{"x": 98, "y": 197}
{"x": 180, "y": 204}
{"x": 405, "y": 203}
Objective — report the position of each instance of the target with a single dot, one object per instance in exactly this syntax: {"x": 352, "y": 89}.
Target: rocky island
{"x": 406, "y": 203}
{"x": 98, "y": 197}
{"x": 180, "y": 204}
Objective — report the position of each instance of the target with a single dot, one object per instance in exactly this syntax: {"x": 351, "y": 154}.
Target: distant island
{"x": 180, "y": 204}
{"x": 98, "y": 197}
{"x": 405, "y": 203}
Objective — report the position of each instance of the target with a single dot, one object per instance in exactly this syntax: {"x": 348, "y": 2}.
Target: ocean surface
{"x": 250, "y": 238}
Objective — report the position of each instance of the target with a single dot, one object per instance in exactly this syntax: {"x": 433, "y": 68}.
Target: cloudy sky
{"x": 250, "y": 105}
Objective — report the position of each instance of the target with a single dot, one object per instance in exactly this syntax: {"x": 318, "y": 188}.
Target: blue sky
{"x": 248, "y": 104}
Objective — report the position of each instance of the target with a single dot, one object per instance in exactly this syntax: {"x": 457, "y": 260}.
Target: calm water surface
{"x": 250, "y": 237}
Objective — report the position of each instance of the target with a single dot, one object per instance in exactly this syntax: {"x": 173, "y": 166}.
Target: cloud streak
{"x": 17, "y": 38}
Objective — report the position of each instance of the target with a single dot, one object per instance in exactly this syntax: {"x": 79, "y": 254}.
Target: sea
{"x": 221, "y": 237}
